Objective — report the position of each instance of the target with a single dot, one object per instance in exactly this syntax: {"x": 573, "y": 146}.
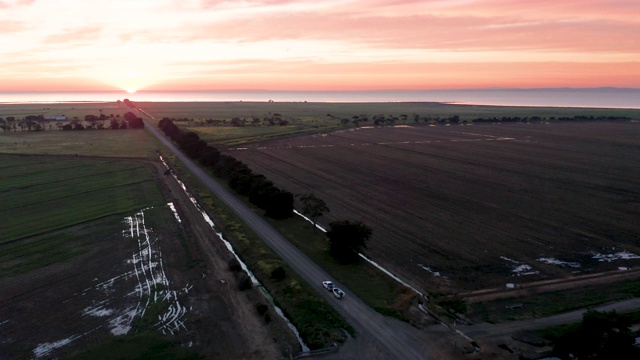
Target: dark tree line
{"x": 600, "y": 336}
{"x": 277, "y": 203}
{"x": 346, "y": 238}
{"x": 130, "y": 121}
{"x": 91, "y": 122}
{"x": 553, "y": 118}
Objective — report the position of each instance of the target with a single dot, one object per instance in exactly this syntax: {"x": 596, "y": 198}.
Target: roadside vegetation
{"x": 552, "y": 303}
{"x": 318, "y": 323}
{"x": 600, "y": 336}
{"x": 345, "y": 239}
{"x": 371, "y": 285}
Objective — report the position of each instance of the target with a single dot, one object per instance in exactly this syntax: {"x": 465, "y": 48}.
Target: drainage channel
{"x": 244, "y": 267}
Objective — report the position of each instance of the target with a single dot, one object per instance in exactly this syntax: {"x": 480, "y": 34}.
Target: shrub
{"x": 262, "y": 308}
{"x": 278, "y": 273}
{"x": 245, "y": 282}
{"x": 234, "y": 265}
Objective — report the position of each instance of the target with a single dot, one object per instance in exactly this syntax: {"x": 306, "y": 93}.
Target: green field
{"x": 68, "y": 109}
{"x": 317, "y": 112}
{"x": 118, "y": 143}
{"x": 42, "y": 194}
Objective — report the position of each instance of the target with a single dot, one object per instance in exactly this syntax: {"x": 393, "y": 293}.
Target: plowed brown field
{"x": 466, "y": 207}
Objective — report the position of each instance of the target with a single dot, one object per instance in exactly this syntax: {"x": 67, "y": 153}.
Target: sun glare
{"x": 131, "y": 90}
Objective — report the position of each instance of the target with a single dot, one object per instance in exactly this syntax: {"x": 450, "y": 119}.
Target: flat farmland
{"x": 120, "y": 143}
{"x": 40, "y": 194}
{"x": 458, "y": 208}
{"x": 96, "y": 264}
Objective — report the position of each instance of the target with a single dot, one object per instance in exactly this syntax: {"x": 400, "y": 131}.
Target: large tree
{"x": 347, "y": 239}
{"x": 313, "y": 207}
{"x": 601, "y": 336}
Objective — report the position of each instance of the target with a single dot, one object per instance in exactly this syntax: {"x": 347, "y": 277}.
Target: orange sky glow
{"x": 48, "y": 45}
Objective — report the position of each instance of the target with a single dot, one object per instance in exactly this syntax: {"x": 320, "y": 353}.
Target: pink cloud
{"x": 15, "y": 3}
{"x": 75, "y": 35}
{"x": 12, "y": 26}
{"x": 463, "y": 32}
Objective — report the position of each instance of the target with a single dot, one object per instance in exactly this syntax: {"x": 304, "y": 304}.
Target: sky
{"x": 57, "y": 45}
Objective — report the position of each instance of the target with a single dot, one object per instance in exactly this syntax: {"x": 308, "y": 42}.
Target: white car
{"x": 328, "y": 285}
{"x": 338, "y": 293}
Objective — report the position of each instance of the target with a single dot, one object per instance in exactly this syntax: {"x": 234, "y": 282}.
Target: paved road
{"x": 505, "y": 330}
{"x": 397, "y": 340}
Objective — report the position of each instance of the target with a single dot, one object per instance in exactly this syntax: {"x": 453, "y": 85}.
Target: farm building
{"x": 56, "y": 118}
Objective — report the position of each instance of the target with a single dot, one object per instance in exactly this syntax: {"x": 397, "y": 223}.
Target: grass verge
{"x": 318, "y": 323}
{"x": 371, "y": 285}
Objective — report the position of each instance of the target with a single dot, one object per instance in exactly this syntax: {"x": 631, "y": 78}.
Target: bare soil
{"x": 75, "y": 305}
{"x": 461, "y": 208}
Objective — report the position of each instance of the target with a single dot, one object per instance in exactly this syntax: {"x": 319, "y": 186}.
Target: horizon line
{"x": 330, "y": 91}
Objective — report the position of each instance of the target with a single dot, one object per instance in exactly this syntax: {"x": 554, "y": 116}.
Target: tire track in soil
{"x": 217, "y": 319}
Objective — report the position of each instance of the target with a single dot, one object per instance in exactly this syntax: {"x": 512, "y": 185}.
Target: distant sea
{"x": 557, "y": 97}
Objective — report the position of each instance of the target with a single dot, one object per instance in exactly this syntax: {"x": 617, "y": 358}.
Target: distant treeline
{"x": 552, "y": 118}
{"x": 91, "y": 122}
{"x": 277, "y": 203}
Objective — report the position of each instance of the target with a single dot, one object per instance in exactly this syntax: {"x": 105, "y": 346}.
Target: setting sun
{"x": 131, "y": 90}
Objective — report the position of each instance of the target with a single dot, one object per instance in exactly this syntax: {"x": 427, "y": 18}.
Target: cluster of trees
{"x": 277, "y": 203}
{"x": 91, "y": 122}
{"x": 270, "y": 120}
{"x": 129, "y": 103}
{"x": 601, "y": 335}
{"x": 381, "y": 120}
{"x": 347, "y": 239}
{"x": 29, "y": 123}
{"x": 130, "y": 121}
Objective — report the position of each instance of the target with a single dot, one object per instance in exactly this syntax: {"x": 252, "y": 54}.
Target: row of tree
{"x": 271, "y": 120}
{"x": 346, "y": 238}
{"x": 130, "y": 121}
{"x": 552, "y": 118}
{"x": 91, "y": 122}
{"x": 277, "y": 203}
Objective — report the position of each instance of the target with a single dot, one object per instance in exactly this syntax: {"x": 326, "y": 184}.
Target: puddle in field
{"x": 153, "y": 283}
{"x": 621, "y": 255}
{"x": 46, "y": 348}
{"x": 97, "y": 311}
{"x": 151, "y": 286}
{"x": 430, "y": 270}
{"x": 175, "y": 212}
{"x": 554, "y": 261}
{"x": 519, "y": 268}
